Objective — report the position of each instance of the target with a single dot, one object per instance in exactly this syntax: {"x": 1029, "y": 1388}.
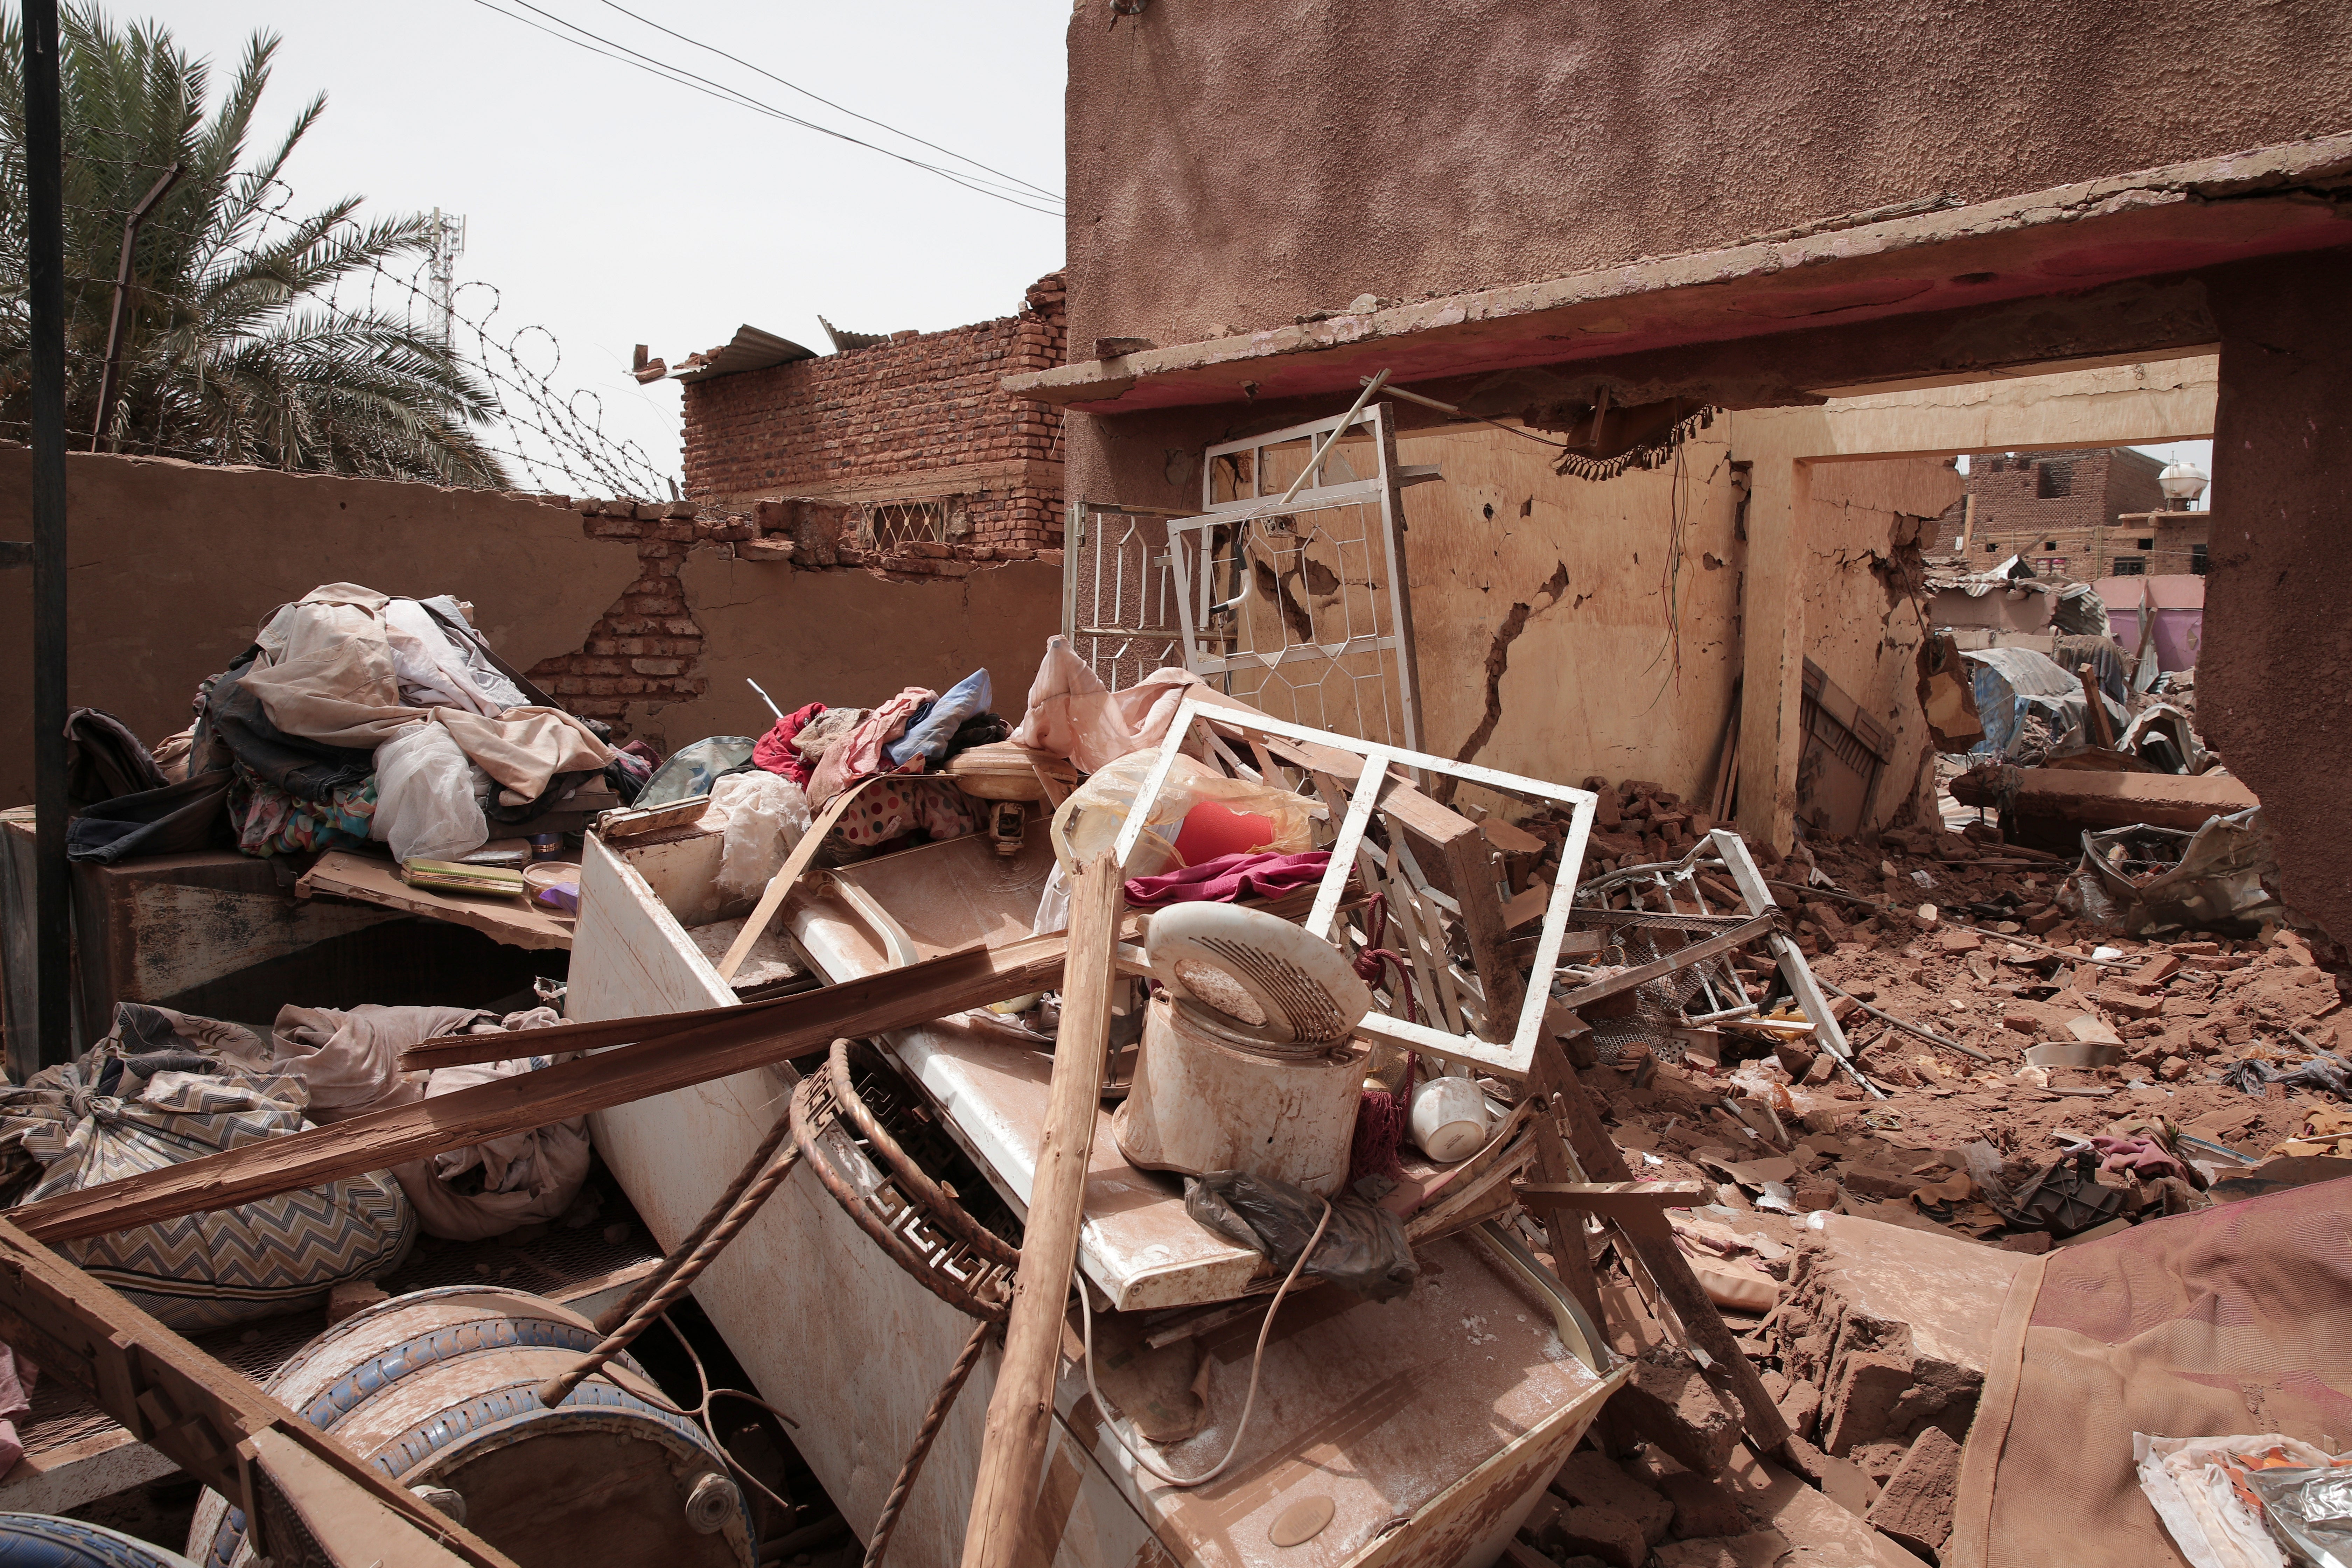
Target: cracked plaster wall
{"x": 1588, "y": 683}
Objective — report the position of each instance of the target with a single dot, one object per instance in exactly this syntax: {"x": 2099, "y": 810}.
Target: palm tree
{"x": 236, "y": 349}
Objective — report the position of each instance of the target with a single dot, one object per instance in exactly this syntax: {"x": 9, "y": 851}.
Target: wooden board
{"x": 669, "y": 1052}
{"x": 214, "y": 1424}
{"x": 343, "y": 874}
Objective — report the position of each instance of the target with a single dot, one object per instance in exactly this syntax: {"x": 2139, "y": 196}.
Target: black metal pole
{"x": 44, "y": 182}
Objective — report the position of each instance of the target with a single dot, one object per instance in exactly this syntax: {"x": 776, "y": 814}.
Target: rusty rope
{"x": 942, "y": 1402}
{"x": 761, "y": 1175}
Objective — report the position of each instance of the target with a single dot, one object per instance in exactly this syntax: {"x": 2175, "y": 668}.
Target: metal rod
{"x": 108, "y": 376}
{"x": 44, "y": 181}
{"x": 765, "y": 697}
{"x": 1906, "y": 1025}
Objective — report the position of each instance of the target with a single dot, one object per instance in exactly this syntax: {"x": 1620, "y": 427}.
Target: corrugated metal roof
{"x": 750, "y": 349}
{"x": 844, "y": 340}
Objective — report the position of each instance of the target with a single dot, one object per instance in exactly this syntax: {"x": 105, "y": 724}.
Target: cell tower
{"x": 448, "y": 244}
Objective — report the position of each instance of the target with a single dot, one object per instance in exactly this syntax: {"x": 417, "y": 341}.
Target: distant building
{"x": 2083, "y": 515}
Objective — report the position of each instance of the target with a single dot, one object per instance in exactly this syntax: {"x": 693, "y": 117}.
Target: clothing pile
{"x": 165, "y": 1086}
{"x": 824, "y": 752}
{"x": 355, "y": 715}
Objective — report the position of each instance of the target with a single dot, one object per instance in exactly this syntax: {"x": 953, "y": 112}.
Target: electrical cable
{"x": 843, "y": 108}
{"x": 681, "y": 77}
{"x": 1257, "y": 1361}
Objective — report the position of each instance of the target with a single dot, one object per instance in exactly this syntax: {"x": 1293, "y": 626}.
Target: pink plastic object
{"x": 1212, "y": 830}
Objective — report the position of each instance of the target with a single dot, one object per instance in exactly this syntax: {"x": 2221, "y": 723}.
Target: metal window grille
{"x": 890, "y": 523}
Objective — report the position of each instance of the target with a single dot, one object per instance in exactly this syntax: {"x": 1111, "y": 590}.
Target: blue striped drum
{"x": 437, "y": 1389}
{"x": 39, "y": 1540}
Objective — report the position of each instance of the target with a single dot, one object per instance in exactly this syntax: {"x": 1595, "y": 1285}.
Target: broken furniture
{"x": 76, "y": 1452}
{"x": 306, "y": 1502}
{"x": 981, "y": 1082}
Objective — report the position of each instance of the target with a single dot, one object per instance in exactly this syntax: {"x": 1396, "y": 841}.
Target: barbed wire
{"x": 550, "y": 436}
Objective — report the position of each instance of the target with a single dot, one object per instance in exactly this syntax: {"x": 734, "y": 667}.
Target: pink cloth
{"x": 775, "y": 752}
{"x": 1228, "y": 877}
{"x": 1071, "y": 714}
{"x": 860, "y": 754}
{"x": 2142, "y": 1156}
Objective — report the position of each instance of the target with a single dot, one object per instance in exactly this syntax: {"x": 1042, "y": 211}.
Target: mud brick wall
{"x": 918, "y": 417}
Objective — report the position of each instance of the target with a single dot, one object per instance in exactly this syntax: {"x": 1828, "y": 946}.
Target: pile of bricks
{"x": 890, "y": 414}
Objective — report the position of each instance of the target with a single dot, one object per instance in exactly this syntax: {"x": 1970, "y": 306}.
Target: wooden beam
{"x": 213, "y": 1423}
{"x": 1703, "y": 1326}
{"x": 1740, "y": 935}
{"x": 671, "y": 1051}
{"x": 1632, "y": 1205}
{"x": 1021, "y": 1412}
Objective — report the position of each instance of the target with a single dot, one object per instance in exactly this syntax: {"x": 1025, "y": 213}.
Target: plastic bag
{"x": 2212, "y": 1495}
{"x": 426, "y": 805}
{"x": 692, "y": 770}
{"x": 1088, "y": 823}
{"x": 1363, "y": 1247}
{"x": 766, "y": 815}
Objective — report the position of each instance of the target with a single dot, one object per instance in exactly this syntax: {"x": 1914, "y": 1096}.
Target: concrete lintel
{"x": 2266, "y": 201}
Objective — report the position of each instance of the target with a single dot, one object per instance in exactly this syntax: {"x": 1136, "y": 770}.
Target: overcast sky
{"x": 616, "y": 208}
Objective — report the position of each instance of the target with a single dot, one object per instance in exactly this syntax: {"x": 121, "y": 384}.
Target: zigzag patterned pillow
{"x": 273, "y": 1256}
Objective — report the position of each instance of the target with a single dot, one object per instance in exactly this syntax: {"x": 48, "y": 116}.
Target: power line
{"x": 843, "y": 108}
{"x": 681, "y": 77}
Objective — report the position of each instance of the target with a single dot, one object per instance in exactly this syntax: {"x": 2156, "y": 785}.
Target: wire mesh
{"x": 224, "y": 275}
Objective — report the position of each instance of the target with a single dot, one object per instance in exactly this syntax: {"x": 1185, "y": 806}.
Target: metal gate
{"x": 1300, "y": 607}
{"x": 1119, "y": 598}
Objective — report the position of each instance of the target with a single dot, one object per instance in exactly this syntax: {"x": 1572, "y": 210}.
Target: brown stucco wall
{"x": 2275, "y": 676}
{"x": 620, "y": 610}
{"x": 175, "y": 564}
{"x": 850, "y": 638}
{"x": 1236, "y": 163}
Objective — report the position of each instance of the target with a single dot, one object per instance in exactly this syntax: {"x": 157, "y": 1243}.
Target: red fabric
{"x": 1227, "y": 878}
{"x": 774, "y": 751}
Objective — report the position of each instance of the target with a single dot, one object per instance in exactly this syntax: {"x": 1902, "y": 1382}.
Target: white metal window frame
{"x": 1193, "y": 569}
{"x": 1513, "y": 1058}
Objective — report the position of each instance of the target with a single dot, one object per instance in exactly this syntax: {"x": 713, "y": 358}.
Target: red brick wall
{"x": 890, "y": 414}
{"x": 2015, "y": 516}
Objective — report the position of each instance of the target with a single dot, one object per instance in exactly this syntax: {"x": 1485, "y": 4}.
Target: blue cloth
{"x": 935, "y": 723}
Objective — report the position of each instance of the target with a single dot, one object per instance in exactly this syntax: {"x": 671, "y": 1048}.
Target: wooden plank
{"x": 1703, "y": 1326}
{"x": 1682, "y": 958}
{"x": 1021, "y": 1412}
{"x": 215, "y": 1425}
{"x": 671, "y": 1052}
{"x": 344, "y": 875}
{"x": 1632, "y": 1205}
{"x": 773, "y": 897}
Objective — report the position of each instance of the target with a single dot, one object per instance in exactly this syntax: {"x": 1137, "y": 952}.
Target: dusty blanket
{"x": 166, "y": 1087}
{"x": 1071, "y": 714}
{"x": 2234, "y": 1319}
{"x": 349, "y": 1063}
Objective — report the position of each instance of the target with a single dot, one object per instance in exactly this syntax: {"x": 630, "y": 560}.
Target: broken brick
{"x": 1601, "y": 1533}
{"x": 1916, "y": 1509}
{"x": 1703, "y": 1507}
{"x": 1590, "y": 1480}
